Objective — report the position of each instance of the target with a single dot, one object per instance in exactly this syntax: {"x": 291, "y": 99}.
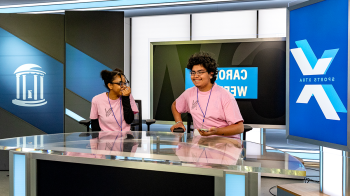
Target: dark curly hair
{"x": 109, "y": 76}
{"x": 204, "y": 59}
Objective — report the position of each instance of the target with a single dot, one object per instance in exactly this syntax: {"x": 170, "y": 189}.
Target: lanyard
{"x": 121, "y": 117}
{"x": 204, "y": 114}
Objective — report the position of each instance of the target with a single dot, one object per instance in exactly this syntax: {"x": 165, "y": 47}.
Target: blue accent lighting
{"x": 70, "y": 6}
{"x": 235, "y": 185}
{"x": 19, "y": 175}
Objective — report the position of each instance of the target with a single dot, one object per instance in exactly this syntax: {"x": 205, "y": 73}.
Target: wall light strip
{"x": 157, "y": 4}
{"x": 91, "y": 1}
{"x": 311, "y": 160}
{"x": 49, "y": 3}
{"x": 301, "y": 151}
{"x": 74, "y": 115}
{"x": 102, "y": 5}
{"x": 45, "y": 12}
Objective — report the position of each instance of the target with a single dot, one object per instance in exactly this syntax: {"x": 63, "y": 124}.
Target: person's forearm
{"x": 127, "y": 110}
{"x": 176, "y": 114}
{"x": 234, "y": 129}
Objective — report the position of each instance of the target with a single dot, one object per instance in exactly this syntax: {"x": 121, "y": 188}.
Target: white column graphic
{"x": 24, "y": 87}
{"x": 27, "y": 99}
{"x": 17, "y": 86}
{"x": 35, "y": 87}
{"x": 41, "y": 87}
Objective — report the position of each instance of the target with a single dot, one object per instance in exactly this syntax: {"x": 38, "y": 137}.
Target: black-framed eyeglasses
{"x": 121, "y": 83}
{"x": 200, "y": 72}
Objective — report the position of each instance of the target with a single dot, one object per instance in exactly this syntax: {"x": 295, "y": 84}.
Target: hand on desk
{"x": 178, "y": 125}
{"x": 212, "y": 131}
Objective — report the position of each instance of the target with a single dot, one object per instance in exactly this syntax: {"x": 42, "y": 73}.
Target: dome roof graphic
{"x": 29, "y": 68}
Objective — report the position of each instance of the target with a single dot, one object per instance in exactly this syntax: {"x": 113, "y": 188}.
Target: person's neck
{"x": 206, "y": 88}
{"x": 112, "y": 95}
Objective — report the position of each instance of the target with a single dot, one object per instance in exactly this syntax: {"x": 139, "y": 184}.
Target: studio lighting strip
{"x": 89, "y": 5}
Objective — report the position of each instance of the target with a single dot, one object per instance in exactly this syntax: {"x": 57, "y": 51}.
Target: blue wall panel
{"x": 83, "y": 74}
{"x": 43, "y": 111}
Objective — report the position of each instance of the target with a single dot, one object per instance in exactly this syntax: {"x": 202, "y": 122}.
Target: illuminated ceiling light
{"x": 44, "y": 12}
{"x": 153, "y": 5}
{"x": 113, "y": 7}
{"x": 50, "y": 3}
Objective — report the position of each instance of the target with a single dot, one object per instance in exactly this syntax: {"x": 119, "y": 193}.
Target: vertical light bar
{"x": 332, "y": 171}
{"x": 321, "y": 169}
{"x": 19, "y": 175}
{"x": 18, "y": 142}
{"x": 344, "y": 173}
{"x": 127, "y": 35}
{"x": 262, "y": 135}
{"x": 286, "y": 160}
{"x": 24, "y": 142}
{"x": 145, "y": 30}
{"x": 35, "y": 87}
{"x": 36, "y": 141}
{"x": 41, "y": 141}
{"x": 24, "y": 87}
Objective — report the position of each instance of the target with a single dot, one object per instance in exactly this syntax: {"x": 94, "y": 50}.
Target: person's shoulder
{"x": 223, "y": 92}
{"x": 98, "y": 97}
{"x": 190, "y": 90}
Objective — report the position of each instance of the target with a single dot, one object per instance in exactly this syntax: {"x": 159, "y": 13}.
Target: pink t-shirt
{"x": 101, "y": 110}
{"x": 222, "y": 108}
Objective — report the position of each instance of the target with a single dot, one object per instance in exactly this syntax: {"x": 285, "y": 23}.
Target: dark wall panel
{"x": 98, "y": 34}
{"x": 44, "y": 32}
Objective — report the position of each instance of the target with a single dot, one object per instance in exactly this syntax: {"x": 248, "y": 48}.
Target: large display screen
{"x": 252, "y": 70}
{"x": 241, "y": 82}
{"x": 318, "y": 72}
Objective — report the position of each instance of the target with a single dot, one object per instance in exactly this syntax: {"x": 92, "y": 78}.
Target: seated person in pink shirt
{"x": 113, "y": 110}
{"x": 214, "y": 110}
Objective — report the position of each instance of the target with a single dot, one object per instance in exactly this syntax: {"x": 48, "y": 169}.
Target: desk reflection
{"x": 210, "y": 150}
{"x": 111, "y": 144}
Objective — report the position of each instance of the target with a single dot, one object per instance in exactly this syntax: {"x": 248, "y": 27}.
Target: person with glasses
{"x": 214, "y": 109}
{"x": 113, "y": 110}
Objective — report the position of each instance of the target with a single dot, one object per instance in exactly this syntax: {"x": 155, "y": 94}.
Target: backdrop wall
{"x": 186, "y": 27}
{"x": 254, "y": 71}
